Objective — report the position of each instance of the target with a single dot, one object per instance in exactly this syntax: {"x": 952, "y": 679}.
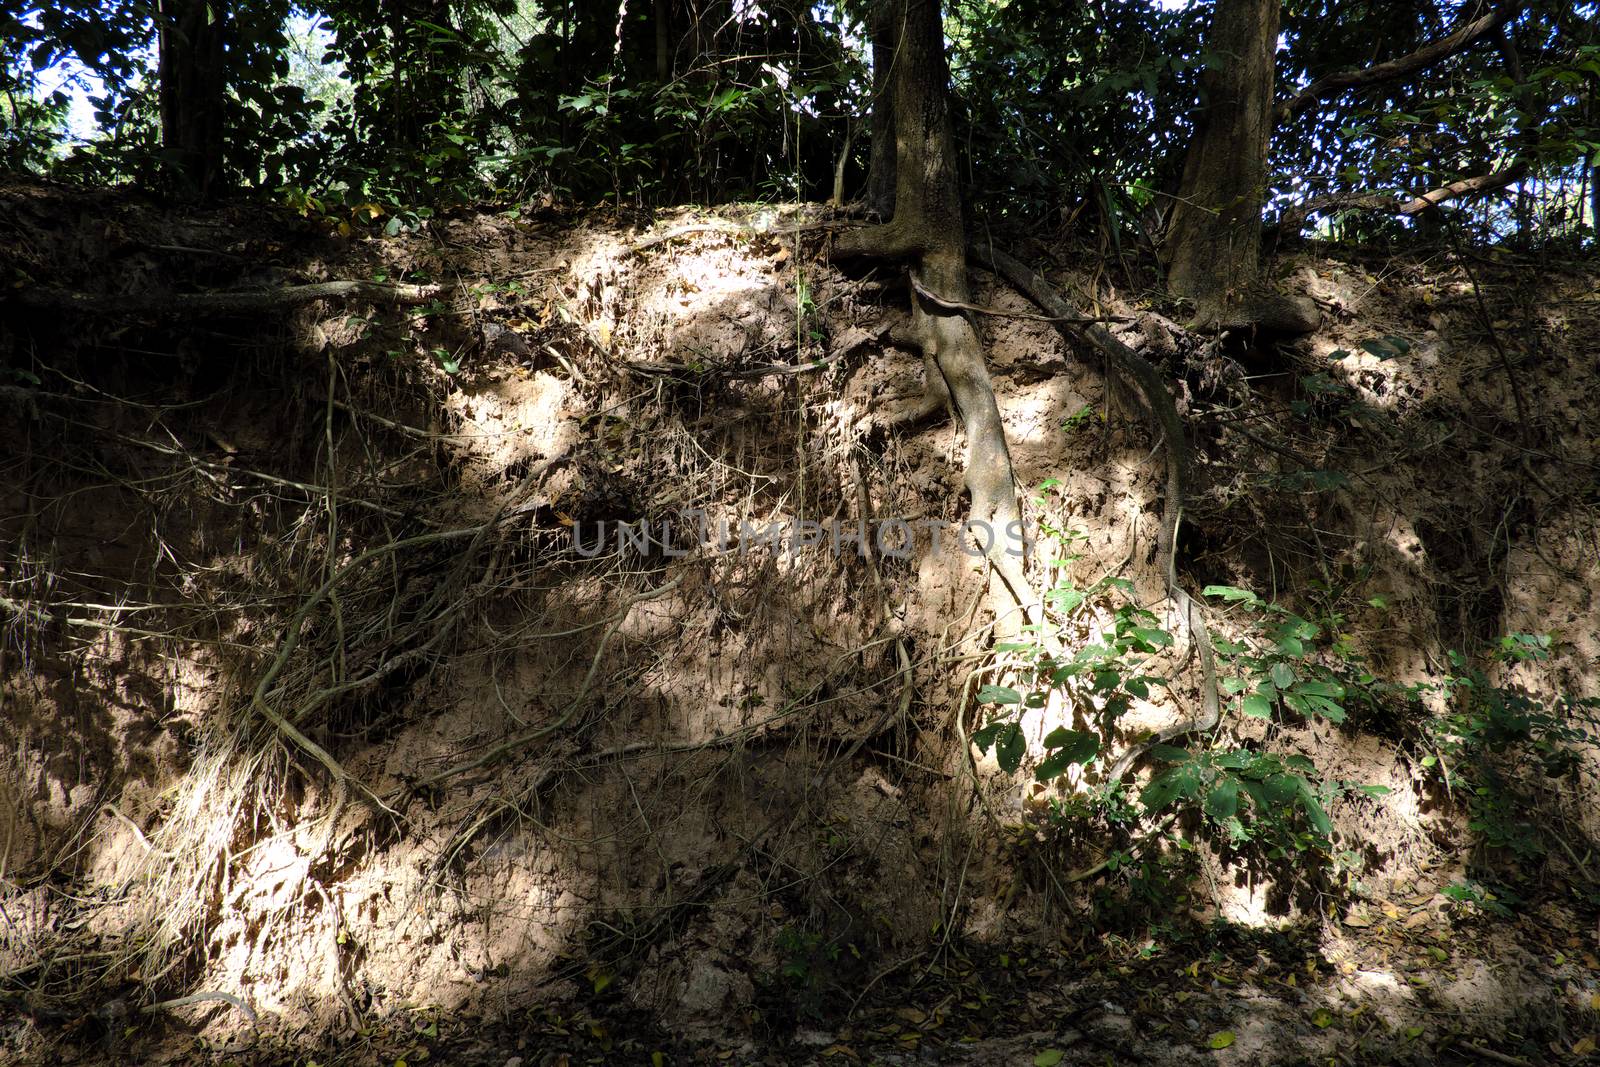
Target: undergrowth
{"x": 1098, "y": 651}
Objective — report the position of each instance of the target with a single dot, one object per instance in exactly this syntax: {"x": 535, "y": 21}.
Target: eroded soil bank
{"x": 371, "y": 691}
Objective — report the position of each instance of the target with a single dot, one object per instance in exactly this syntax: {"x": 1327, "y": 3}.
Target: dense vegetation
{"x": 1063, "y": 110}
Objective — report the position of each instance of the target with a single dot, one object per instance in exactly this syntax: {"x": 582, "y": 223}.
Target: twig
{"x": 201, "y": 998}
{"x": 1491, "y": 1054}
{"x": 520, "y": 740}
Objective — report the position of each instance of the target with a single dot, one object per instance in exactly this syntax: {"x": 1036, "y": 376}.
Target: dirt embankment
{"x": 491, "y": 649}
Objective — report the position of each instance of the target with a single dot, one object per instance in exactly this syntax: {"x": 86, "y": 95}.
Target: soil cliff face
{"x": 488, "y": 647}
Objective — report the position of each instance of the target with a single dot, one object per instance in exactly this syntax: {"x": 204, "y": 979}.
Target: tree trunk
{"x": 192, "y": 93}
{"x": 1213, "y": 248}
{"x": 663, "y": 27}
{"x": 883, "y": 28}
{"x": 928, "y": 229}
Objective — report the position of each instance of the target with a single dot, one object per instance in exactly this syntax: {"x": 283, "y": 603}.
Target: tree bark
{"x": 883, "y": 29}
{"x": 1483, "y": 183}
{"x": 192, "y": 93}
{"x": 1213, "y": 247}
{"x": 928, "y": 229}
{"x": 663, "y": 28}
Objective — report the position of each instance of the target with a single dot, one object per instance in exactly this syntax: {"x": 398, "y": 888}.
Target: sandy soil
{"x": 673, "y": 798}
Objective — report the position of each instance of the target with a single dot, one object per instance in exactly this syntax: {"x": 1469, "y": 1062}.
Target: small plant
{"x": 1285, "y": 666}
{"x": 1491, "y": 733}
{"x": 445, "y": 360}
{"x": 1277, "y": 668}
{"x": 1100, "y": 679}
{"x": 1470, "y": 894}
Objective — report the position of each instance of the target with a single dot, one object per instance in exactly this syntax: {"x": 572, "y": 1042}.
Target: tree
{"x": 880, "y": 172}
{"x": 1214, "y": 236}
{"x": 928, "y": 229}
{"x": 191, "y": 36}
{"x": 1213, "y": 247}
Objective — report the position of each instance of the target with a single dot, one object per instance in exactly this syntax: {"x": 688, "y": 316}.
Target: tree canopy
{"x": 1061, "y": 110}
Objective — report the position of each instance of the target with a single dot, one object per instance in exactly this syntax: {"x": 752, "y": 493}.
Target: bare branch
{"x": 1461, "y": 38}
{"x": 1483, "y": 183}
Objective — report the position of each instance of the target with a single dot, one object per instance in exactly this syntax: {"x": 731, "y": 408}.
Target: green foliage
{"x": 1278, "y": 667}
{"x": 805, "y": 957}
{"x": 1062, "y": 111}
{"x": 1099, "y": 679}
{"x": 1525, "y": 101}
{"x": 1490, "y": 738}
{"x": 1278, "y": 800}
{"x": 1471, "y": 894}
{"x": 1100, "y": 122}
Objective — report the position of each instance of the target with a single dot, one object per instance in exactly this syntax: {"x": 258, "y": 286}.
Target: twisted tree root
{"x": 1163, "y": 413}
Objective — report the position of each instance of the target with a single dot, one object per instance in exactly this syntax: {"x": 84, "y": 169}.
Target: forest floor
{"x": 337, "y": 728}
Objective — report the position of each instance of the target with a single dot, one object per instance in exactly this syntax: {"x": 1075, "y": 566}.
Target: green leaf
{"x": 1009, "y": 747}
{"x": 1231, "y": 593}
{"x": 1314, "y": 811}
{"x": 1316, "y": 706}
{"x": 1223, "y": 800}
{"x": 1282, "y": 675}
{"x": 1050, "y": 767}
{"x": 1048, "y": 1058}
{"x": 1158, "y": 638}
{"x": 998, "y": 694}
{"x": 1280, "y": 788}
{"x": 1220, "y": 1039}
{"x": 1257, "y": 706}
{"x": 1075, "y": 746}
{"x": 1065, "y": 599}
{"x": 1181, "y": 782}
{"x": 1169, "y": 753}
{"x": 985, "y": 737}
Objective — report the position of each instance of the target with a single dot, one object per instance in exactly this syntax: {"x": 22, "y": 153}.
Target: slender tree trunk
{"x": 928, "y": 229}
{"x": 192, "y": 93}
{"x": 663, "y": 27}
{"x": 1213, "y": 247}
{"x": 883, "y": 29}
{"x": 1594, "y": 204}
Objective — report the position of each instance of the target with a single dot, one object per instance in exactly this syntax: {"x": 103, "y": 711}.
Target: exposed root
{"x": 236, "y": 302}
{"x": 1168, "y": 426}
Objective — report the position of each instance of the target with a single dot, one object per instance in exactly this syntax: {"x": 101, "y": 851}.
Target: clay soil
{"x": 341, "y": 725}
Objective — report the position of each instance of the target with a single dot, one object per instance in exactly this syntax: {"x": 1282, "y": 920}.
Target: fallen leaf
{"x": 1221, "y": 1039}
{"x": 1048, "y": 1058}
{"x": 1322, "y": 1019}
{"x": 1584, "y": 1046}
